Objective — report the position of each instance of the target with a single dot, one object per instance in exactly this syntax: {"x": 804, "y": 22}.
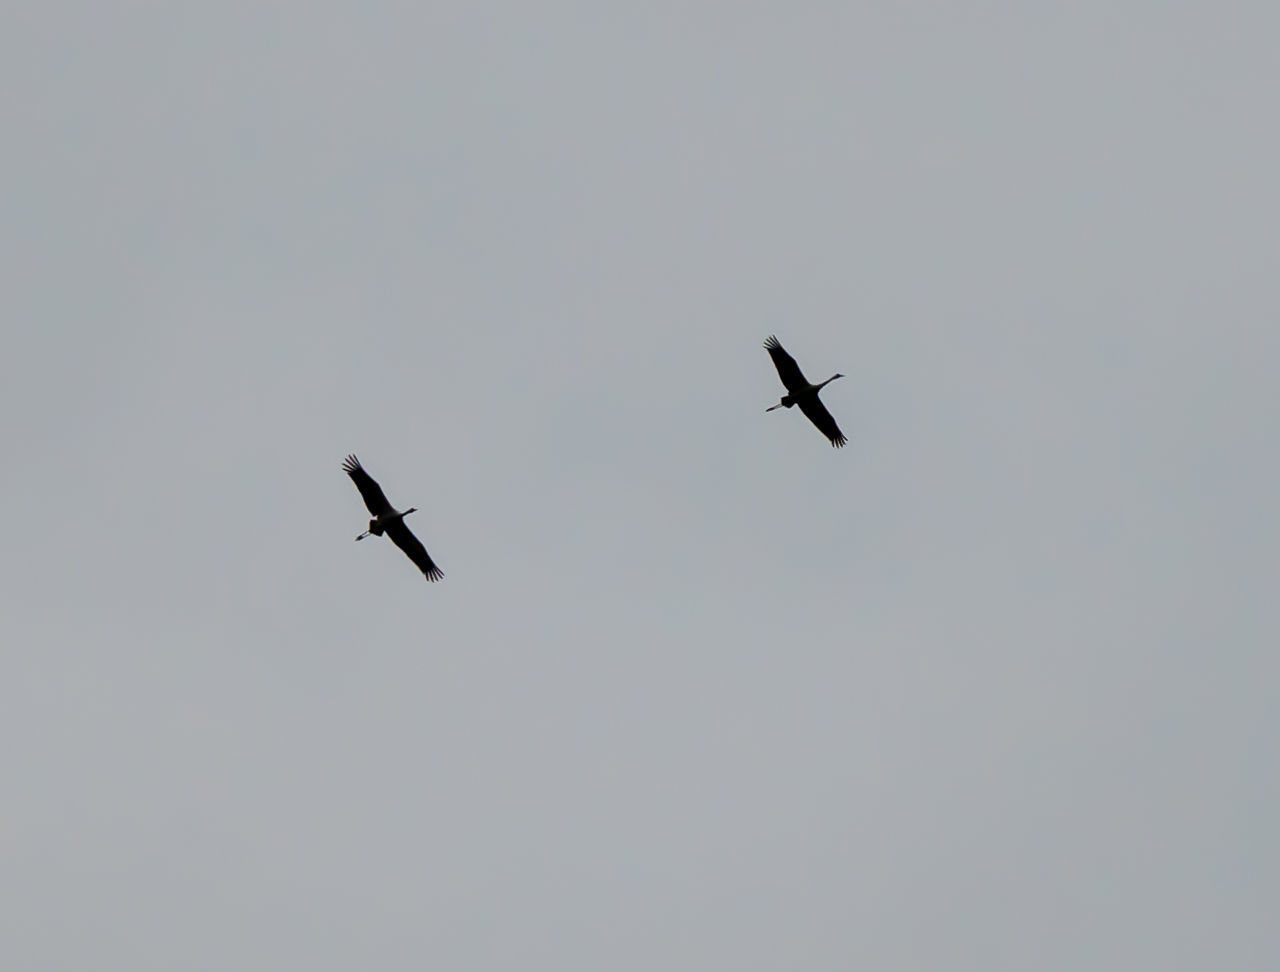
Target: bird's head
{"x": 836, "y": 375}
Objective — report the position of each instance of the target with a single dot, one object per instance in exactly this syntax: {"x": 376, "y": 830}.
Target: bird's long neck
{"x": 824, "y": 384}
{"x": 383, "y": 520}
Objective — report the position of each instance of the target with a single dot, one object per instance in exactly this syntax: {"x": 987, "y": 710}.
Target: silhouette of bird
{"x": 800, "y": 391}
{"x": 388, "y": 520}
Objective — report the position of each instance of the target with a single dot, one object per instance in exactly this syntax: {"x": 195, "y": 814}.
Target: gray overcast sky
{"x": 992, "y": 688}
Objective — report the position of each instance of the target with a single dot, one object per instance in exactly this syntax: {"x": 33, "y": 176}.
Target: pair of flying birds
{"x": 390, "y": 521}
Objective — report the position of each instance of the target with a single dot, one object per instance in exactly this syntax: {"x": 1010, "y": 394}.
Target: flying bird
{"x": 388, "y": 520}
{"x": 801, "y": 392}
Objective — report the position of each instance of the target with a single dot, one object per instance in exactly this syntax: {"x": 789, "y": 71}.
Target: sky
{"x": 993, "y": 687}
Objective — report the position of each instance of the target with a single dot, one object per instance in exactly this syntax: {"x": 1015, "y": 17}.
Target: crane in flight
{"x": 802, "y": 392}
{"x": 387, "y": 519}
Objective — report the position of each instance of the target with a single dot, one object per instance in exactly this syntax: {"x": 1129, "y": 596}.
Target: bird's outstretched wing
{"x": 374, "y": 498}
{"x": 812, "y": 406}
{"x": 403, "y": 538}
{"x": 788, "y": 370}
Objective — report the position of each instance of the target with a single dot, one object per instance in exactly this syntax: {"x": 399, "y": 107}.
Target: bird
{"x": 388, "y": 520}
{"x": 803, "y": 393}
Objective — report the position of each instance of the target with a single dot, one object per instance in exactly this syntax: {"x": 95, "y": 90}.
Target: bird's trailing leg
{"x": 363, "y": 535}
{"x": 772, "y": 407}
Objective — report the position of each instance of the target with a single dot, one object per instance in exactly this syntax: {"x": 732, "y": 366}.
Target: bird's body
{"x": 378, "y": 525}
{"x": 802, "y": 392}
{"x": 390, "y": 521}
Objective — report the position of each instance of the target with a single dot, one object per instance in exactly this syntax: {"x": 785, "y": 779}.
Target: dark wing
{"x": 403, "y": 538}
{"x": 788, "y": 370}
{"x": 812, "y": 406}
{"x": 374, "y": 498}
